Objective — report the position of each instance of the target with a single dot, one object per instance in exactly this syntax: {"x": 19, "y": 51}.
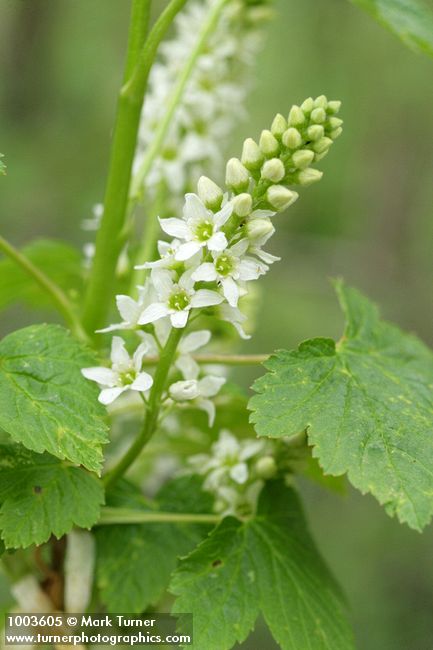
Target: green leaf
{"x": 410, "y": 20}
{"x": 269, "y": 564}
{"x": 135, "y": 561}
{"x": 368, "y": 404}
{"x": 2, "y": 166}
{"x": 43, "y": 496}
{"x": 45, "y": 402}
{"x": 59, "y": 261}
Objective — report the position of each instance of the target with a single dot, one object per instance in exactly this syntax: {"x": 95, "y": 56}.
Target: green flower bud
{"x": 252, "y": 157}
{"x": 333, "y": 106}
{"x": 280, "y": 197}
{"x": 237, "y": 176}
{"x": 210, "y": 193}
{"x": 315, "y": 132}
{"x": 335, "y": 122}
{"x": 258, "y": 228}
{"x": 322, "y": 145}
{"x": 273, "y": 170}
{"x": 266, "y": 467}
{"x": 303, "y": 158}
{"x": 309, "y": 176}
{"x": 321, "y": 102}
{"x": 279, "y": 125}
{"x": 335, "y": 133}
{"x": 269, "y": 144}
{"x": 242, "y": 204}
{"x": 308, "y": 105}
{"x": 318, "y": 115}
{"x": 292, "y": 139}
{"x": 296, "y": 116}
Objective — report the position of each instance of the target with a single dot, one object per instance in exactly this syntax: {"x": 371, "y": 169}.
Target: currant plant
{"x": 134, "y": 473}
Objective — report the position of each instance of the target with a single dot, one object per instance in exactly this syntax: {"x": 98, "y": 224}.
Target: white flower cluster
{"x": 234, "y": 472}
{"x": 202, "y": 123}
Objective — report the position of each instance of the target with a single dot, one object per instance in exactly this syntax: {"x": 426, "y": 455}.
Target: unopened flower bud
{"x": 279, "y": 125}
{"x": 318, "y": 115}
{"x": 335, "y": 122}
{"x": 266, "y": 467}
{"x": 335, "y": 133}
{"x": 292, "y": 138}
{"x": 273, "y": 170}
{"x": 258, "y": 228}
{"x": 308, "y": 176}
{"x": 308, "y": 105}
{"x": 184, "y": 390}
{"x": 242, "y": 204}
{"x": 315, "y": 132}
{"x": 237, "y": 176}
{"x": 210, "y": 193}
{"x": 303, "y": 158}
{"x": 321, "y": 102}
{"x": 280, "y": 197}
{"x": 296, "y": 116}
{"x": 333, "y": 106}
{"x": 322, "y": 145}
{"x": 269, "y": 144}
{"x": 252, "y": 157}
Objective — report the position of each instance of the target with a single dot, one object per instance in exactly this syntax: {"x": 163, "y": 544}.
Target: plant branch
{"x": 154, "y": 407}
{"x": 220, "y": 359}
{"x": 111, "y": 516}
{"x": 58, "y": 297}
{"x": 110, "y": 238}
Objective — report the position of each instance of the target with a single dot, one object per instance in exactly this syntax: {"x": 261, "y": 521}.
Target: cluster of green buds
{"x": 284, "y": 156}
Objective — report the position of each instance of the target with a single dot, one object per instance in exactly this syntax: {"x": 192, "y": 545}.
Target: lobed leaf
{"x": 367, "y": 403}
{"x": 409, "y": 20}
{"x": 268, "y": 564}
{"x": 41, "y": 496}
{"x": 45, "y": 402}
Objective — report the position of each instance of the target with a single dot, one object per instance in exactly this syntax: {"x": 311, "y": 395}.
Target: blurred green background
{"x": 369, "y": 220}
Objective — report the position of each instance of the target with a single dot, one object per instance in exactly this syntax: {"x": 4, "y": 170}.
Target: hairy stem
{"x": 110, "y": 238}
{"x": 128, "y": 516}
{"x": 58, "y": 297}
{"x": 153, "y": 409}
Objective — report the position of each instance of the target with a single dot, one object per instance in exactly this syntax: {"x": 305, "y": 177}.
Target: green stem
{"x": 56, "y": 294}
{"x": 153, "y": 409}
{"x": 173, "y": 102}
{"x": 129, "y": 516}
{"x": 138, "y": 27}
{"x": 110, "y": 238}
{"x": 220, "y": 359}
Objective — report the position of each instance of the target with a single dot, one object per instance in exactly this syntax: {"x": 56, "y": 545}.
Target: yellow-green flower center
{"x": 179, "y": 300}
{"x": 224, "y": 264}
{"x": 204, "y": 230}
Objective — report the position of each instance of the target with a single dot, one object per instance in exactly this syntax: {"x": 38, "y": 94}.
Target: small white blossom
{"x": 176, "y": 298}
{"x": 131, "y": 310}
{"x": 125, "y": 372}
{"x": 190, "y": 343}
{"x": 199, "y": 228}
{"x": 198, "y": 392}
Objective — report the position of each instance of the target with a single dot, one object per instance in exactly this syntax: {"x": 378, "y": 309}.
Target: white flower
{"x": 167, "y": 260}
{"x": 199, "y": 227}
{"x": 190, "y": 343}
{"x": 125, "y": 372}
{"x": 234, "y": 316}
{"x": 130, "y": 309}
{"x": 176, "y": 299}
{"x": 228, "y": 267}
{"x": 198, "y": 391}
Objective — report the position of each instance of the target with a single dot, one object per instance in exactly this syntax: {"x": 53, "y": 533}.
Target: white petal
{"x": 162, "y": 280}
{"x": 194, "y": 209}
{"x": 206, "y": 298}
{"x": 194, "y": 341}
{"x": 251, "y": 269}
{"x": 128, "y": 309}
{"x": 162, "y": 331}
{"x": 119, "y": 354}
{"x": 223, "y": 215}
{"x": 210, "y": 386}
{"x": 185, "y": 251}
{"x": 175, "y": 227}
{"x": 179, "y": 318}
{"x": 108, "y": 395}
{"x": 205, "y": 273}
{"x": 240, "y": 248}
{"x": 218, "y": 242}
{"x": 113, "y": 328}
{"x": 250, "y": 448}
{"x": 231, "y": 291}
{"x": 239, "y": 473}
{"x": 137, "y": 359}
{"x": 187, "y": 366}
{"x": 154, "y": 312}
{"x": 142, "y": 382}
{"x": 104, "y": 376}
{"x": 208, "y": 407}
{"x": 266, "y": 257}
{"x": 184, "y": 390}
